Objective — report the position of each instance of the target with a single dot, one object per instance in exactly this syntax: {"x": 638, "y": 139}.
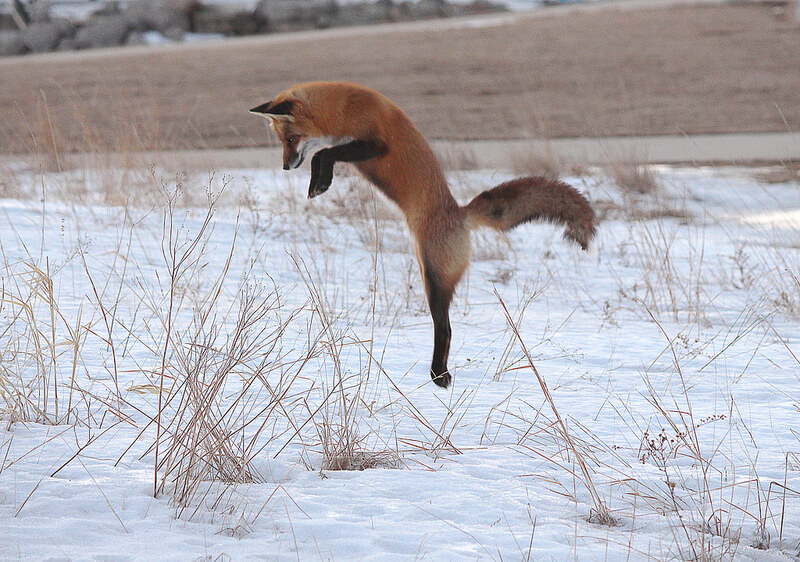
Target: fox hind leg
{"x": 439, "y": 298}
{"x": 443, "y": 260}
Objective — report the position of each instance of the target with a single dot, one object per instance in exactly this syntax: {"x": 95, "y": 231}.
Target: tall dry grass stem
{"x": 685, "y": 431}
{"x": 338, "y": 419}
{"x": 599, "y": 513}
{"x": 179, "y": 257}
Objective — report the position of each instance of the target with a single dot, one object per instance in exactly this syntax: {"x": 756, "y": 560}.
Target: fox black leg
{"x": 323, "y": 161}
{"x": 439, "y": 298}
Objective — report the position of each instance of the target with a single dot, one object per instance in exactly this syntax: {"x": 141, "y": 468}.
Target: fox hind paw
{"x": 443, "y": 379}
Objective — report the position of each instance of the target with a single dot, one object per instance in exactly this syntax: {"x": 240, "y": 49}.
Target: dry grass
{"x": 785, "y": 173}
{"x": 678, "y": 70}
{"x": 599, "y": 513}
{"x": 546, "y": 164}
{"x": 339, "y": 420}
{"x": 673, "y": 267}
{"x": 39, "y": 339}
{"x": 204, "y": 437}
{"x": 682, "y": 440}
{"x": 634, "y": 176}
{"x": 228, "y": 390}
{"x": 457, "y": 159}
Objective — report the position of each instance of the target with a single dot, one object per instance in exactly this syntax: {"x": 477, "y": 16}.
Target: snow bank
{"x": 671, "y": 354}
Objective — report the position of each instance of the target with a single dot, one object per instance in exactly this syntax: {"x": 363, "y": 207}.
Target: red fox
{"x": 344, "y": 122}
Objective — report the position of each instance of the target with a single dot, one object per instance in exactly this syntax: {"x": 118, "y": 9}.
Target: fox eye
{"x": 291, "y": 139}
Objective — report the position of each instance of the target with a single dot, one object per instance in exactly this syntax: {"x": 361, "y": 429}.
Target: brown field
{"x": 704, "y": 69}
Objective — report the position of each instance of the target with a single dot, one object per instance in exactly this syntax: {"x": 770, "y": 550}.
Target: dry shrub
{"x": 664, "y": 212}
{"x": 785, "y": 173}
{"x": 10, "y": 180}
{"x": 781, "y": 279}
{"x": 599, "y": 512}
{"x": 357, "y": 201}
{"x": 222, "y": 376}
{"x": 206, "y": 436}
{"x": 109, "y": 149}
{"x": 32, "y": 369}
{"x": 457, "y": 158}
{"x": 339, "y": 419}
{"x": 672, "y": 283}
{"x": 492, "y": 246}
{"x": 343, "y": 447}
{"x": 695, "y": 496}
{"x": 545, "y": 164}
{"x": 633, "y": 178}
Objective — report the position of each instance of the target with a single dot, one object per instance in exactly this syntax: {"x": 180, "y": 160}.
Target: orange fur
{"x": 407, "y": 172}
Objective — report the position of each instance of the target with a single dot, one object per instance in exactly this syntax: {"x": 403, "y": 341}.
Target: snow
{"x": 671, "y": 354}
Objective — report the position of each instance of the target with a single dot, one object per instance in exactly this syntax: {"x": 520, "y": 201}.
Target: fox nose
{"x": 285, "y": 166}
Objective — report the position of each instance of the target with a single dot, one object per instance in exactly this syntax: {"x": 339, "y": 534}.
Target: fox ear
{"x": 271, "y": 110}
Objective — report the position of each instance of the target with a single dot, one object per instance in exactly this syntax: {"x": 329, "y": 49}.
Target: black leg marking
{"x": 439, "y": 302}
{"x": 316, "y": 187}
{"x": 323, "y": 161}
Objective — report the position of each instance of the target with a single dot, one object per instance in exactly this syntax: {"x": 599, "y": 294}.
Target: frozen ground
{"x": 267, "y": 343}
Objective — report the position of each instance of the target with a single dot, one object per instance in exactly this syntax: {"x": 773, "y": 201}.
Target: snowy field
{"x": 212, "y": 367}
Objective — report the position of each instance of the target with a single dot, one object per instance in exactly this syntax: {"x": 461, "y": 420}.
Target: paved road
{"x": 731, "y": 149}
{"x": 725, "y": 149}
{"x": 738, "y": 149}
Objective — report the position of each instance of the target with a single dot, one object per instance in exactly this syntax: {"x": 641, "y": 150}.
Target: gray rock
{"x": 135, "y": 37}
{"x": 67, "y": 44}
{"x": 102, "y": 31}
{"x": 424, "y": 9}
{"x": 134, "y": 17}
{"x": 145, "y": 15}
{"x": 39, "y": 11}
{"x": 41, "y": 37}
{"x": 174, "y": 33}
{"x": 209, "y": 19}
{"x": 64, "y": 26}
{"x": 479, "y": 7}
{"x": 246, "y": 23}
{"x": 287, "y": 14}
{"x": 7, "y": 22}
{"x": 11, "y": 43}
{"x": 365, "y": 13}
{"x": 227, "y": 21}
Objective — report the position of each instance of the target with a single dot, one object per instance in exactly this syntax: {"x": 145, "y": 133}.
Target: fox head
{"x": 291, "y": 121}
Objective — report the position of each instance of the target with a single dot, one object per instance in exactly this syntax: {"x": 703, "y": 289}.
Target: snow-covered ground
{"x": 230, "y": 360}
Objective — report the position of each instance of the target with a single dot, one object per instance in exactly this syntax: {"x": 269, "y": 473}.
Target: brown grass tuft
{"x": 633, "y": 178}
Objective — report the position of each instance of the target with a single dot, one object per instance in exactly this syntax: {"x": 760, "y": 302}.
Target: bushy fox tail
{"x": 534, "y": 198}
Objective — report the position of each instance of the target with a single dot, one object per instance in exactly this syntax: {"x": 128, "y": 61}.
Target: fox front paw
{"x": 321, "y": 174}
{"x": 317, "y": 188}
